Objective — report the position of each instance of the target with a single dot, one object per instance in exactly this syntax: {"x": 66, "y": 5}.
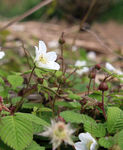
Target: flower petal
{"x": 42, "y": 47}
{"x": 56, "y": 66}
{"x": 36, "y": 51}
{"x": 94, "y": 146}
{"x": 51, "y": 56}
{"x": 80, "y": 146}
{"x": 80, "y": 63}
{"x": 109, "y": 67}
{"x": 2, "y": 54}
{"x": 49, "y": 65}
{"x": 85, "y": 137}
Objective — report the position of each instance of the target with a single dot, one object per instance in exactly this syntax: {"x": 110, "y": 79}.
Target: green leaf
{"x": 16, "y": 132}
{"x": 120, "y": 139}
{"x": 33, "y": 118}
{"x": 15, "y": 100}
{"x": 58, "y": 73}
{"x": 37, "y": 128}
{"x": 73, "y": 117}
{"x": 4, "y": 146}
{"x": 74, "y": 96}
{"x": 45, "y": 83}
{"x": 68, "y": 104}
{"x": 106, "y": 142}
{"x": 114, "y": 119}
{"x": 97, "y": 130}
{"x": 31, "y": 105}
{"x": 35, "y": 146}
{"x": 1, "y": 81}
{"x": 38, "y": 73}
{"x": 15, "y": 80}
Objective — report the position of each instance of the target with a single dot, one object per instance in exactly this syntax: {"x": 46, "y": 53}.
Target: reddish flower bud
{"x": 97, "y": 66}
{"x": 62, "y": 40}
{"x": 40, "y": 80}
{"x": 103, "y": 86}
{"x": 92, "y": 75}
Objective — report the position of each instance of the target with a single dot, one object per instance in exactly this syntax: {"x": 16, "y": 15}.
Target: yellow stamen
{"x": 43, "y": 59}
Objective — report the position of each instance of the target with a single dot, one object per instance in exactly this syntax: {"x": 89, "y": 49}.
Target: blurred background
{"x": 103, "y": 35}
{"x": 69, "y": 10}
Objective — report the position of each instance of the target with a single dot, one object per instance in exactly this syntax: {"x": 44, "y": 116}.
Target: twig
{"x": 84, "y": 19}
{"x": 88, "y": 12}
{"x": 29, "y": 12}
{"x": 101, "y": 42}
{"x": 26, "y": 54}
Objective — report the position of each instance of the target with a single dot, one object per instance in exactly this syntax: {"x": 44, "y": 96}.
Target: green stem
{"x": 54, "y": 100}
{"x": 22, "y": 99}
{"x": 89, "y": 86}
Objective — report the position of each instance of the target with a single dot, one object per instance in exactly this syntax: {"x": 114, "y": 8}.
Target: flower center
{"x": 42, "y": 59}
{"x": 89, "y": 144}
{"x": 60, "y": 132}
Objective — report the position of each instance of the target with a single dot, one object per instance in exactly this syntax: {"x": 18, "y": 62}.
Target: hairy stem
{"x": 103, "y": 109}
{"x": 19, "y": 104}
{"x": 62, "y": 57}
{"x": 89, "y": 86}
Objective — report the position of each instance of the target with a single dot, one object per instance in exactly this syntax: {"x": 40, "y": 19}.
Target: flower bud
{"x": 40, "y": 80}
{"x": 62, "y": 40}
{"x": 103, "y": 86}
{"x": 97, "y": 66}
{"x": 92, "y": 75}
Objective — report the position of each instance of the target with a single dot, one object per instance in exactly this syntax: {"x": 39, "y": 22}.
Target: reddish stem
{"x": 103, "y": 109}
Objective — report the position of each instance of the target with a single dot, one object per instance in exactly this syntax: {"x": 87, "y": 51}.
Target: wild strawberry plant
{"x": 61, "y": 104}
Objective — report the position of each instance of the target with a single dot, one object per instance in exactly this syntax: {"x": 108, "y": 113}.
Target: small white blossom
{"x": 113, "y": 69}
{"x": 91, "y": 55}
{"x": 2, "y": 54}
{"x": 53, "y": 44}
{"x": 87, "y": 142}
{"x": 81, "y": 64}
{"x": 58, "y": 132}
{"x": 110, "y": 67}
{"x": 45, "y": 60}
{"x": 74, "y": 48}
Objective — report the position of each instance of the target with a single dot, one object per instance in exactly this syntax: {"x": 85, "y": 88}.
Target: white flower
{"x": 87, "y": 142}
{"x": 81, "y": 64}
{"x": 113, "y": 69}
{"x": 2, "y": 54}
{"x": 91, "y": 55}
{"x": 74, "y": 48}
{"x": 45, "y": 60}
{"x": 58, "y": 132}
{"x": 110, "y": 67}
{"x": 53, "y": 44}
